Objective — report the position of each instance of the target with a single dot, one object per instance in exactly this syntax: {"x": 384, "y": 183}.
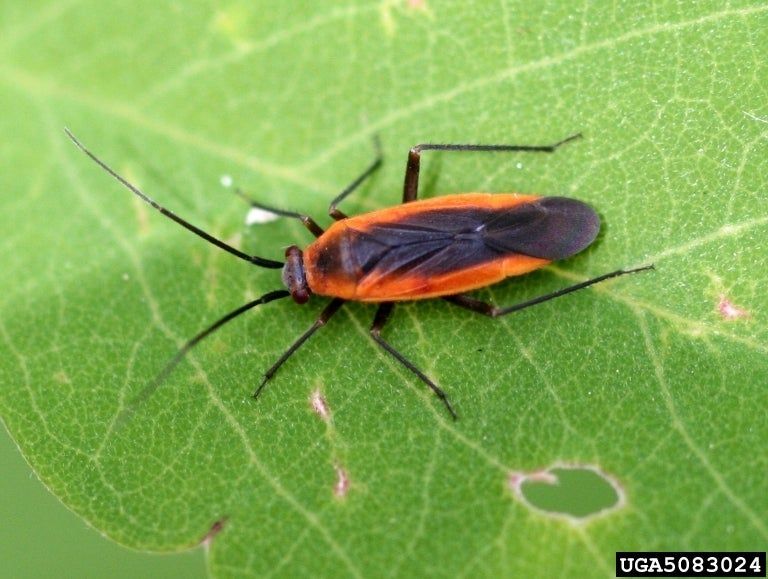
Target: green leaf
{"x": 657, "y": 380}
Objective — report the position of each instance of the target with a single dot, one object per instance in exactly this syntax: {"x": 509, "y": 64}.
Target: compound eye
{"x": 300, "y": 295}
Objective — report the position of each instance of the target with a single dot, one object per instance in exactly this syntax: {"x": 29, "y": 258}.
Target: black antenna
{"x": 150, "y": 388}
{"x": 260, "y": 261}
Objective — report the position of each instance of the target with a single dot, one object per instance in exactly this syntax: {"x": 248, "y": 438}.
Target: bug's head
{"x": 293, "y": 275}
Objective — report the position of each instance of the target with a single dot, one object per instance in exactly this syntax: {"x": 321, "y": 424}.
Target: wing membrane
{"x": 434, "y": 241}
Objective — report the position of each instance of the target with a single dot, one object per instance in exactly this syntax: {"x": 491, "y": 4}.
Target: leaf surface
{"x": 658, "y": 380}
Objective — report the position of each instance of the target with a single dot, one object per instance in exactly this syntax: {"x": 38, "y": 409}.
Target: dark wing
{"x": 551, "y": 228}
{"x": 435, "y": 241}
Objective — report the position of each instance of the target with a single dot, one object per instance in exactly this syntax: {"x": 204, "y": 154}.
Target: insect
{"x": 434, "y": 248}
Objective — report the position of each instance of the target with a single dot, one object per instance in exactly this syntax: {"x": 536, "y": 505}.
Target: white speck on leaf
{"x": 257, "y": 216}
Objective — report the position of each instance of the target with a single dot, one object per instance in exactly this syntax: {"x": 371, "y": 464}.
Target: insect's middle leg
{"x": 325, "y": 315}
{"x": 382, "y": 315}
{"x": 412, "y": 168}
{"x": 492, "y": 311}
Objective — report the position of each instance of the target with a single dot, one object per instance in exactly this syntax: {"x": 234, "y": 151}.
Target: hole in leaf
{"x": 577, "y": 492}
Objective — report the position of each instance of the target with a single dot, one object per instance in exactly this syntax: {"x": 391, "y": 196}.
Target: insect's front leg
{"x": 325, "y": 315}
{"x": 337, "y": 214}
{"x": 306, "y": 220}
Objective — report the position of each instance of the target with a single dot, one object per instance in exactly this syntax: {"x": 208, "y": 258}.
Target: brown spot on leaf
{"x": 61, "y": 377}
{"x": 215, "y": 529}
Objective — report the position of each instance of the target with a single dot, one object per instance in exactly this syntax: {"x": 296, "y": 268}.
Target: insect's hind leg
{"x": 492, "y": 311}
{"x": 412, "y": 168}
{"x": 325, "y": 315}
{"x": 337, "y": 214}
{"x": 382, "y": 315}
{"x": 306, "y": 220}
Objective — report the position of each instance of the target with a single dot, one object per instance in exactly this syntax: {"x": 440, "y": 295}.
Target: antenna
{"x": 260, "y": 261}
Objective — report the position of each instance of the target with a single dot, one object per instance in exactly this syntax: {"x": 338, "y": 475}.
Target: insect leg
{"x": 382, "y": 315}
{"x": 325, "y": 315}
{"x": 377, "y": 161}
{"x": 411, "y": 185}
{"x": 492, "y": 311}
{"x": 306, "y": 220}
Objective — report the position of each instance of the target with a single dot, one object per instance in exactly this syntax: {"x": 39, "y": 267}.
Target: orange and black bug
{"x": 435, "y": 248}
